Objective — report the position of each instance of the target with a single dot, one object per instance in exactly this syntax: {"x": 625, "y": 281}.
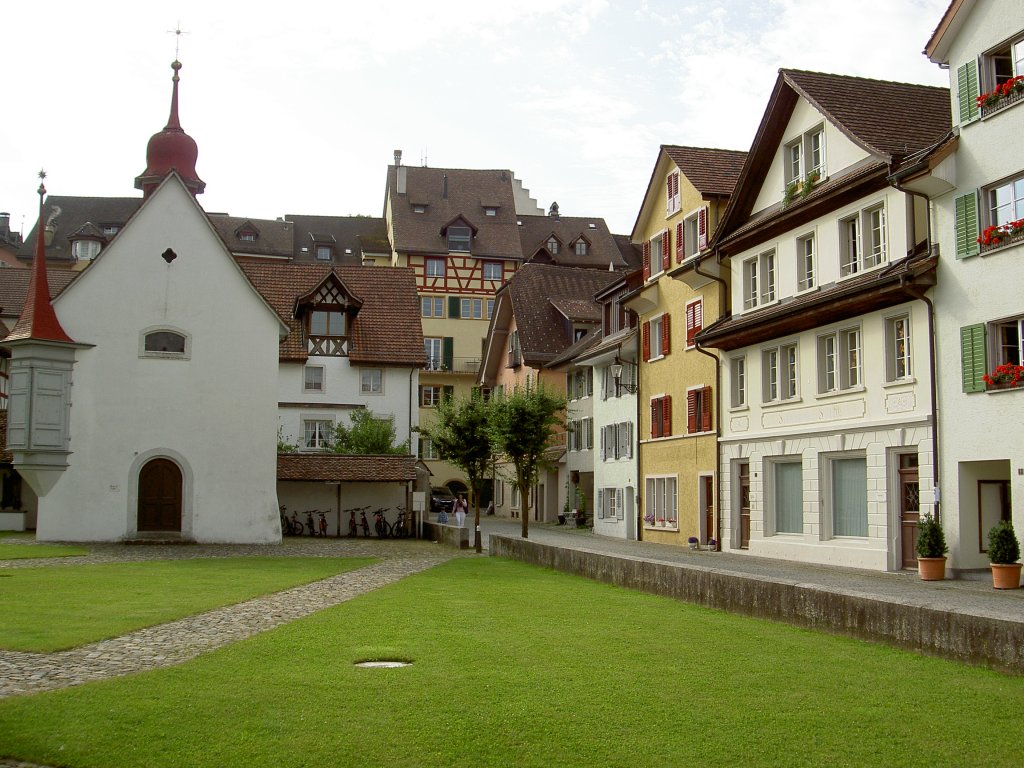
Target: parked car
{"x": 441, "y": 498}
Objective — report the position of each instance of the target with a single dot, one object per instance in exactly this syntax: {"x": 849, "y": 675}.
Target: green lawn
{"x": 519, "y": 666}
{"x": 24, "y": 551}
{"x": 47, "y": 609}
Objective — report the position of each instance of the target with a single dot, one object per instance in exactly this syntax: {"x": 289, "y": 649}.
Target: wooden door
{"x": 709, "y": 507}
{"x": 160, "y": 496}
{"x": 910, "y": 508}
{"x": 744, "y": 489}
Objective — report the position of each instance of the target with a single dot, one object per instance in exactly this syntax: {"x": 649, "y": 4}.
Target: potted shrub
{"x": 931, "y": 549}
{"x": 1004, "y": 552}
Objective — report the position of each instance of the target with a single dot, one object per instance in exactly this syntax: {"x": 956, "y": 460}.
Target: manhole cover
{"x": 382, "y": 664}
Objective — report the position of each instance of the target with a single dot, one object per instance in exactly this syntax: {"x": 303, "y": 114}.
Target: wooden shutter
{"x": 691, "y": 411}
{"x": 968, "y": 92}
{"x": 569, "y": 379}
{"x": 666, "y": 250}
{"x": 454, "y": 307}
{"x": 972, "y": 357}
{"x": 666, "y": 415}
{"x": 966, "y": 226}
{"x": 629, "y": 439}
{"x": 447, "y": 392}
{"x": 705, "y": 410}
{"x": 690, "y": 324}
{"x": 647, "y": 340}
{"x": 655, "y": 418}
{"x": 448, "y": 353}
{"x": 666, "y": 345}
{"x": 600, "y": 503}
{"x": 680, "y": 244}
{"x": 668, "y": 194}
{"x": 589, "y": 375}
{"x": 647, "y": 259}
{"x": 702, "y": 228}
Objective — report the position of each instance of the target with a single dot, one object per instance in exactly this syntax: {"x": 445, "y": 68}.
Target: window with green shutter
{"x": 448, "y": 353}
{"x": 454, "y": 306}
{"x": 972, "y": 357}
{"x": 967, "y": 92}
{"x": 966, "y": 225}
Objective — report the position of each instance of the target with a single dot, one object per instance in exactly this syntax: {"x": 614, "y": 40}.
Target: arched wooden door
{"x": 160, "y": 496}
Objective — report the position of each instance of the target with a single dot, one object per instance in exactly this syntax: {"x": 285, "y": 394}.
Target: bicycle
{"x": 381, "y": 524}
{"x": 309, "y": 522}
{"x": 322, "y": 523}
{"x": 290, "y": 526}
{"x": 400, "y": 529}
{"x": 352, "y": 527}
{"x": 363, "y": 523}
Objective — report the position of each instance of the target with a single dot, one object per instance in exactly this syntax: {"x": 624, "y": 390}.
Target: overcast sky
{"x": 297, "y": 107}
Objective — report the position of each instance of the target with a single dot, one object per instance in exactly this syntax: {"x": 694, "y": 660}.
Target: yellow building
{"x": 682, "y": 292}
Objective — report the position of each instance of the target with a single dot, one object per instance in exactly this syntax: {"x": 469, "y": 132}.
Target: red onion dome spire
{"x": 171, "y": 150}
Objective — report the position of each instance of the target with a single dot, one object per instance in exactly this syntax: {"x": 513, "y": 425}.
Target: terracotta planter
{"x": 1006, "y": 576}
{"x": 931, "y": 568}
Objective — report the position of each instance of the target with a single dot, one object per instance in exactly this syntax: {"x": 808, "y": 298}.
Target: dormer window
{"x": 490, "y": 211}
{"x": 580, "y": 247}
{"x": 327, "y": 322}
{"x": 328, "y": 311}
{"x": 84, "y": 250}
{"x": 247, "y": 236}
{"x": 324, "y": 252}
{"x": 109, "y": 230}
{"x": 419, "y": 208}
{"x": 552, "y": 245}
{"x": 459, "y": 238}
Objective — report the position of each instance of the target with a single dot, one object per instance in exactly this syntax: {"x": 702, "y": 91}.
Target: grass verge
{"x": 516, "y": 665}
{"x": 26, "y": 551}
{"x": 48, "y": 609}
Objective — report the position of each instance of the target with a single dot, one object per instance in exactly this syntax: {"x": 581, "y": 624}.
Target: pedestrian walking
{"x": 461, "y": 507}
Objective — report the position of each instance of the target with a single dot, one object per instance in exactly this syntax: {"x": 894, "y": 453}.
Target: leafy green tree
{"x": 460, "y": 435}
{"x": 522, "y": 426}
{"x": 368, "y": 435}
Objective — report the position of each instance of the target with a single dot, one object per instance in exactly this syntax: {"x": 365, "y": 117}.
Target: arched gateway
{"x": 160, "y": 486}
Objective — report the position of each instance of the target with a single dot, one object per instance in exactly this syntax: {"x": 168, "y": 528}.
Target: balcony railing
{"x": 1002, "y": 104}
{"x": 455, "y": 365}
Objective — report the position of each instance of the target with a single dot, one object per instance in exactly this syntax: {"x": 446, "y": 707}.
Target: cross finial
{"x": 42, "y": 188}
{"x": 178, "y": 32}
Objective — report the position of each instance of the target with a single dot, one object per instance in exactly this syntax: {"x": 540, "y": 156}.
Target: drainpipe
{"x": 718, "y": 405}
{"x": 641, "y": 486}
{"x": 918, "y": 293}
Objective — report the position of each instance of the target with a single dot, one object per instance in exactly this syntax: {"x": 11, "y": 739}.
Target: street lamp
{"x": 616, "y": 369}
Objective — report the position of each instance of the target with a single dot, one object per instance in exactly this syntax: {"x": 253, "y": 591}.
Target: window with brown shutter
{"x": 694, "y": 320}
{"x": 666, "y": 415}
{"x": 666, "y": 251}
{"x": 698, "y": 410}
{"x": 647, "y": 341}
{"x": 680, "y": 244}
{"x": 702, "y": 228}
{"x": 647, "y": 259}
{"x": 705, "y": 410}
{"x": 656, "y": 417}
{"x": 691, "y": 410}
{"x": 666, "y": 345}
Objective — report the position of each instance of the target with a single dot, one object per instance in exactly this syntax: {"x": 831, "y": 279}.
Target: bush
{"x": 1003, "y": 547}
{"x": 931, "y": 539}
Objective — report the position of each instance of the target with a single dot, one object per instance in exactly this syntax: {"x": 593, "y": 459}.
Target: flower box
{"x": 1006, "y": 376}
{"x": 1001, "y": 234}
{"x": 1002, "y": 96}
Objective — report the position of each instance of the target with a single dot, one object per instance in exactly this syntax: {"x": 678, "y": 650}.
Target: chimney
{"x": 400, "y": 172}
{"x": 553, "y": 210}
{"x": 5, "y": 222}
{"x": 444, "y": 187}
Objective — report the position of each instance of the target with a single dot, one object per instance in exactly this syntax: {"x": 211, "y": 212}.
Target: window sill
{"x": 780, "y": 403}
{"x": 662, "y": 527}
{"x": 762, "y": 305}
{"x": 738, "y": 408}
{"x": 840, "y": 392}
{"x": 700, "y": 434}
{"x": 655, "y": 359}
{"x": 900, "y": 382}
{"x": 860, "y": 272}
{"x": 1001, "y": 390}
{"x": 805, "y": 291}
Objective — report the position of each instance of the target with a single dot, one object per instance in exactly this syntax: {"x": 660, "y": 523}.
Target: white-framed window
{"x": 165, "y": 342}
{"x": 432, "y": 346}
{"x": 805, "y": 262}
{"x": 430, "y": 395}
{"x": 672, "y": 198}
{"x": 779, "y": 373}
{"x": 787, "y": 497}
{"x": 805, "y": 156}
{"x": 738, "y": 382}
{"x": 324, "y": 252}
{"x": 657, "y": 334}
{"x": 247, "y": 236}
{"x": 313, "y": 378}
{"x": 428, "y": 450}
{"x": 660, "y": 504}
{"x": 610, "y": 504}
{"x": 515, "y": 352}
{"x": 839, "y": 360}
{"x": 986, "y": 346}
{"x": 492, "y": 270}
{"x": 691, "y": 235}
{"x": 617, "y": 441}
{"x": 1005, "y": 201}
{"x": 661, "y": 416}
{"x": 85, "y": 250}
{"x": 580, "y": 434}
{"x": 459, "y": 239}
{"x": 553, "y": 245}
{"x": 317, "y": 433}
{"x": 759, "y": 280}
{"x": 580, "y": 247}
{"x": 490, "y": 210}
{"x": 1002, "y": 63}
{"x": 862, "y": 241}
{"x": 1009, "y": 342}
{"x": 490, "y": 308}
{"x": 109, "y": 230}
{"x": 431, "y": 306}
{"x": 694, "y": 320}
{"x": 472, "y": 309}
{"x": 435, "y": 267}
{"x": 657, "y": 253}
{"x": 848, "y": 496}
{"x": 371, "y": 381}
{"x": 897, "y": 348}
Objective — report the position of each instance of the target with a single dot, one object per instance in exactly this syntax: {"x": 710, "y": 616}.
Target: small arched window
{"x": 164, "y": 342}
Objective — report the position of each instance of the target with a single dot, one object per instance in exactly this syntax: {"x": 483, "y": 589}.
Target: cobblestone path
{"x": 178, "y": 641}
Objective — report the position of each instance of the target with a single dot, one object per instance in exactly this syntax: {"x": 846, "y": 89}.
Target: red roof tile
{"x": 322, "y": 467}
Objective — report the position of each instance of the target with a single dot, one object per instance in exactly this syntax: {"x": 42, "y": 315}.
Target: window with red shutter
{"x": 656, "y": 417}
{"x": 694, "y": 320}
{"x": 666, "y": 415}
{"x": 666, "y": 345}
{"x": 705, "y": 410}
{"x": 647, "y": 259}
{"x": 680, "y": 244}
{"x": 647, "y": 341}
{"x": 691, "y": 410}
{"x": 666, "y": 251}
{"x": 702, "y": 228}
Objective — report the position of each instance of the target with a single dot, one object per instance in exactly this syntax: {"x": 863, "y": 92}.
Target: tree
{"x": 522, "y": 427}
{"x": 460, "y": 434}
{"x": 368, "y": 435}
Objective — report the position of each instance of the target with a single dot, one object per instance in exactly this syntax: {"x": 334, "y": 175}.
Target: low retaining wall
{"x": 447, "y": 534}
{"x": 967, "y": 638}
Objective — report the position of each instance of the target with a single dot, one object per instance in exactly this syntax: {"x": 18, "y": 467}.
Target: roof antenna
{"x": 423, "y": 157}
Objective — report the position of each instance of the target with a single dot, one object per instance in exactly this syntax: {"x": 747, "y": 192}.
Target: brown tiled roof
{"x": 582, "y": 310}
{"x": 321, "y": 467}
{"x": 274, "y": 237}
{"x": 386, "y": 330}
{"x": 586, "y": 344}
{"x": 534, "y": 232}
{"x": 468, "y": 191}
{"x": 14, "y": 284}
{"x": 631, "y": 254}
{"x": 534, "y": 288}
{"x": 887, "y": 118}
{"x": 357, "y": 234}
{"x": 69, "y": 214}
{"x": 711, "y": 171}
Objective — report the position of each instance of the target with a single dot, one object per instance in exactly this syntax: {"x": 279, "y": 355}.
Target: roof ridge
{"x": 787, "y": 70}
{"x": 703, "y": 149}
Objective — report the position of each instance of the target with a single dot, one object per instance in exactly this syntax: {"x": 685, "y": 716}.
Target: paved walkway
{"x": 972, "y": 595}
{"x": 179, "y": 641}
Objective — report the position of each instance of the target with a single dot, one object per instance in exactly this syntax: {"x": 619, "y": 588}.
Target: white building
{"x": 975, "y": 181}
{"x": 827, "y": 438}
